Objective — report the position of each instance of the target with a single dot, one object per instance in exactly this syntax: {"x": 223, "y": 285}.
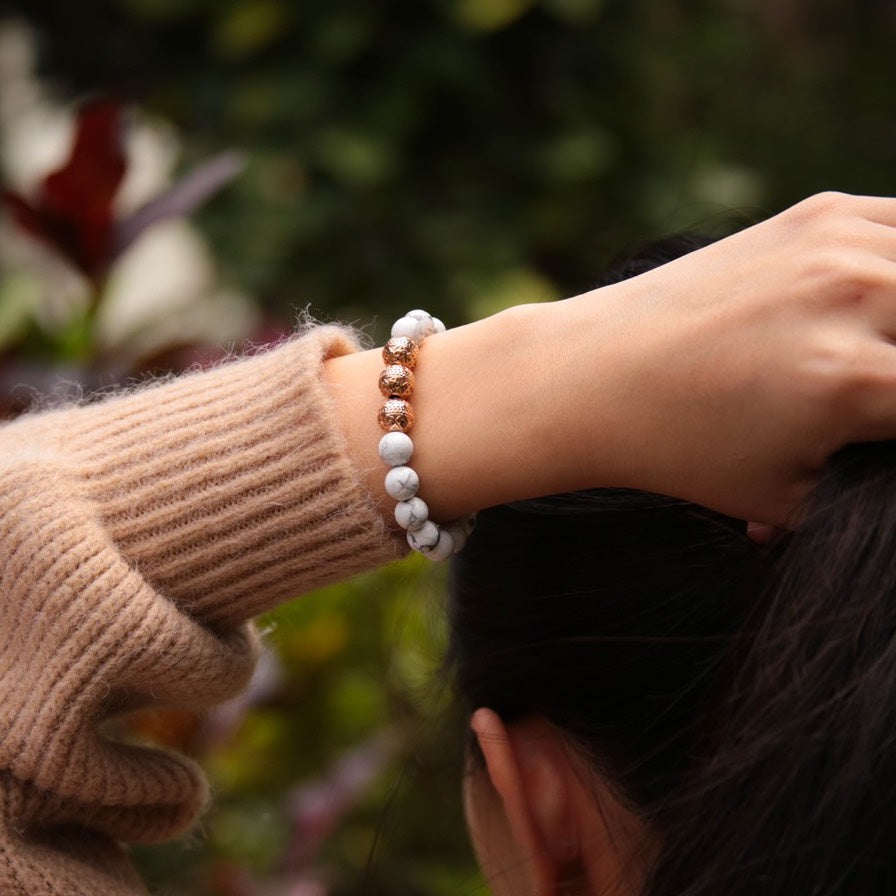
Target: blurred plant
{"x": 478, "y": 152}
{"x": 316, "y": 808}
{"x": 327, "y": 769}
{"x": 338, "y": 723}
{"x": 73, "y": 213}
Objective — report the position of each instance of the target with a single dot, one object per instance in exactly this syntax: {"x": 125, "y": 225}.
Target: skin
{"x": 543, "y": 822}
{"x": 727, "y": 377}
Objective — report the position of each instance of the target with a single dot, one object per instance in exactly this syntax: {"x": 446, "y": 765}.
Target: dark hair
{"x": 740, "y": 699}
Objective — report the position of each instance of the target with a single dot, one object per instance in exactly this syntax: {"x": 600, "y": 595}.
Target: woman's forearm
{"x": 496, "y": 411}
{"x": 727, "y": 377}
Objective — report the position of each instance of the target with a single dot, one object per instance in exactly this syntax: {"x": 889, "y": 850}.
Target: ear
{"x": 528, "y": 768}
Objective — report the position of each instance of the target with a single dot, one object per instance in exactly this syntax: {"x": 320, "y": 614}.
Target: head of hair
{"x": 741, "y": 699}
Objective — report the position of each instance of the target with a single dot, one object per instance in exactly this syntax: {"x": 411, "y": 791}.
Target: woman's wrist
{"x": 500, "y": 406}
{"x": 727, "y": 377}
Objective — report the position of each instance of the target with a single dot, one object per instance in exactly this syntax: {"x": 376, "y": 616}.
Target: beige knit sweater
{"x": 137, "y": 536}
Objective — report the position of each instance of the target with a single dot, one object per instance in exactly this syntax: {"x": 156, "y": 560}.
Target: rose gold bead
{"x": 401, "y": 350}
{"x": 397, "y": 380}
{"x": 396, "y": 415}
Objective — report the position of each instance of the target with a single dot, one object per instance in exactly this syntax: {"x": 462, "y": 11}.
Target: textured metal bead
{"x": 396, "y": 415}
{"x": 401, "y": 350}
{"x": 398, "y": 380}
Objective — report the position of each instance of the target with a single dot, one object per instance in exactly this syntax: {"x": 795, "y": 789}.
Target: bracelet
{"x": 396, "y": 417}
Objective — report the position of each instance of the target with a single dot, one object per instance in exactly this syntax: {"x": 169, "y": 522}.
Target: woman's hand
{"x": 727, "y": 377}
{"x": 739, "y": 369}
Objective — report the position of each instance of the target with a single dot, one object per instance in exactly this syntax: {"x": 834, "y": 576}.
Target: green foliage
{"x": 462, "y": 155}
{"x": 405, "y": 151}
{"x": 355, "y": 660}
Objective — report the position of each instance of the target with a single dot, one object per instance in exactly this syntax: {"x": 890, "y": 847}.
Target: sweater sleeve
{"x": 137, "y": 537}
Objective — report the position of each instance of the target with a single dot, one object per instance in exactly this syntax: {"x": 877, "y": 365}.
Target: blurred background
{"x": 182, "y": 177}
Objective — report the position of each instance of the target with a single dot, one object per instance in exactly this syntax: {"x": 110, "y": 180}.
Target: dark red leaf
{"x": 57, "y": 233}
{"x": 73, "y": 210}
{"x": 24, "y": 213}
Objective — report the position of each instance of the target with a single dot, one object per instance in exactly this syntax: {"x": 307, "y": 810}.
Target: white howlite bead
{"x": 411, "y": 514}
{"x": 410, "y": 327}
{"x": 458, "y": 535}
{"x": 402, "y": 483}
{"x": 396, "y": 448}
{"x": 438, "y": 326}
{"x": 443, "y": 548}
{"x": 425, "y": 319}
{"x": 425, "y": 538}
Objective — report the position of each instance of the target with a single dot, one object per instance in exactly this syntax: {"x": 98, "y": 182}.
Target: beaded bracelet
{"x": 396, "y": 417}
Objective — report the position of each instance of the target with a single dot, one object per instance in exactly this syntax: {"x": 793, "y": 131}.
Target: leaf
{"x": 20, "y": 295}
{"x": 317, "y": 807}
{"x": 81, "y": 193}
{"x": 24, "y": 213}
{"x": 73, "y": 209}
{"x": 182, "y": 198}
{"x": 490, "y": 15}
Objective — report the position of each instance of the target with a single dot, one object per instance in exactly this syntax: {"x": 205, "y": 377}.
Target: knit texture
{"x": 137, "y": 537}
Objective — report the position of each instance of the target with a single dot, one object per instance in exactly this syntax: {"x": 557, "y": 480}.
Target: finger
{"x": 872, "y": 290}
{"x": 881, "y": 209}
{"x": 871, "y": 406}
{"x": 761, "y": 533}
{"x": 879, "y": 240}
{"x": 833, "y": 205}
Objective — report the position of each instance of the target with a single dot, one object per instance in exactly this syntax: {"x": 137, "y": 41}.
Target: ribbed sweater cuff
{"x": 231, "y": 490}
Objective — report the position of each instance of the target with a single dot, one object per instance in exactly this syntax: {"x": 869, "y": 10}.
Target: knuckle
{"x": 822, "y": 205}
{"x": 870, "y": 387}
{"x": 822, "y": 222}
{"x": 851, "y": 270}
{"x": 843, "y": 275}
{"x": 872, "y": 375}
{"x": 835, "y": 369}
{"x": 855, "y": 375}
